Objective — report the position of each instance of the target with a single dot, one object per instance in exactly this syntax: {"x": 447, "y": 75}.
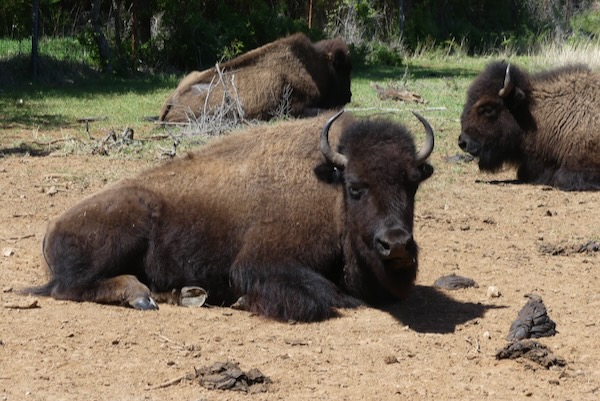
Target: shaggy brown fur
{"x": 546, "y": 124}
{"x": 318, "y": 76}
{"x": 246, "y": 216}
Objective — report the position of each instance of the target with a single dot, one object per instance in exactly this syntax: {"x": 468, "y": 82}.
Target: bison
{"x": 272, "y": 219}
{"x": 290, "y": 73}
{"x": 546, "y": 124}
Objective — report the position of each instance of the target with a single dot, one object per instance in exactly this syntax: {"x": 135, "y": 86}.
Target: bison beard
{"x": 252, "y": 224}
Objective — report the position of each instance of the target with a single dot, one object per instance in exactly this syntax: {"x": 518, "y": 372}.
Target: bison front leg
{"x": 287, "y": 292}
{"x": 125, "y": 290}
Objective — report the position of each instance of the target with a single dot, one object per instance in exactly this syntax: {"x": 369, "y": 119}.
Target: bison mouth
{"x": 467, "y": 144}
{"x": 400, "y": 273}
{"x": 401, "y": 262}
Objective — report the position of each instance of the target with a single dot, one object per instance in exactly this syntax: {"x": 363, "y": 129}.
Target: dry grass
{"x": 555, "y": 54}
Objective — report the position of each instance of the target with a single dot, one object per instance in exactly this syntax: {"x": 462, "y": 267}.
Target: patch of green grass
{"x": 120, "y": 102}
{"x": 65, "y": 48}
{"x": 50, "y": 110}
{"x": 440, "y": 81}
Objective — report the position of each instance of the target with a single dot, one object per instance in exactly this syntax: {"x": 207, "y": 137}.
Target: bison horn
{"x": 427, "y": 147}
{"x": 333, "y": 157}
{"x": 508, "y": 86}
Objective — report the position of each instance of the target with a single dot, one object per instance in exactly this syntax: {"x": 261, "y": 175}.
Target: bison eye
{"x": 488, "y": 110}
{"x": 356, "y": 192}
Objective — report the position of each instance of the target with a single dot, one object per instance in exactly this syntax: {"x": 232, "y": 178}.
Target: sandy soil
{"x": 438, "y": 345}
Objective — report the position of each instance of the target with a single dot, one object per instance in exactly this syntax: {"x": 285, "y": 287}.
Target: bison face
{"x": 339, "y": 64}
{"x": 494, "y": 118}
{"x": 380, "y": 172}
{"x": 490, "y": 132}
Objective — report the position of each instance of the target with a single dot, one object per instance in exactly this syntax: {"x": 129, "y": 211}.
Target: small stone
{"x": 487, "y": 335}
{"x": 389, "y": 359}
{"x": 493, "y": 292}
{"x": 8, "y": 252}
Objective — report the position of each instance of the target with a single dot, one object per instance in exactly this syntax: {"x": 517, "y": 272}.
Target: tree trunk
{"x": 142, "y": 22}
{"x": 34, "y": 40}
{"x": 401, "y": 17}
{"x": 118, "y": 33}
{"x": 101, "y": 42}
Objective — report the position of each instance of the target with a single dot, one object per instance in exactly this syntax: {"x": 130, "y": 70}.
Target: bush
{"x": 383, "y": 54}
{"x": 201, "y": 38}
{"x": 586, "y": 24}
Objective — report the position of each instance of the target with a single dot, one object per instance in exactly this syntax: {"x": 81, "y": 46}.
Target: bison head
{"x": 496, "y": 115}
{"x": 380, "y": 170}
{"x": 340, "y": 69}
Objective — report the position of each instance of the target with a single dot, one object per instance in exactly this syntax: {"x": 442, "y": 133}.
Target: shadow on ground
{"x": 382, "y": 73}
{"x": 429, "y": 310}
{"x": 24, "y": 149}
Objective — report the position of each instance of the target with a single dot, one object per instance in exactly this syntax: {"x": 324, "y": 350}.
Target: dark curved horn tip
{"x": 337, "y": 159}
{"x": 425, "y": 151}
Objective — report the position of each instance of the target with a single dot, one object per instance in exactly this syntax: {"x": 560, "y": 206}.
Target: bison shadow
{"x": 383, "y": 73}
{"x": 24, "y": 149}
{"x": 502, "y": 182}
{"x": 428, "y": 310}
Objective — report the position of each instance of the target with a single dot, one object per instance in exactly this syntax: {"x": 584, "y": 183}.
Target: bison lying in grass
{"x": 289, "y": 76}
{"x": 274, "y": 218}
{"x": 545, "y": 124}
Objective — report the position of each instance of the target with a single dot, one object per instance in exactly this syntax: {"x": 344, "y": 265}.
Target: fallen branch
{"x": 14, "y": 239}
{"x": 54, "y": 141}
{"x": 392, "y": 110}
{"x": 32, "y": 304}
{"x": 177, "y": 380}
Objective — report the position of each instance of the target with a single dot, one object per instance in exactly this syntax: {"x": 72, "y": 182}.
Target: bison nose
{"x": 462, "y": 143}
{"x": 392, "y": 242}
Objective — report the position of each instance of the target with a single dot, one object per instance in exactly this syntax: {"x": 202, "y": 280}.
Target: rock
{"x": 493, "y": 292}
{"x": 532, "y": 350}
{"x": 532, "y": 322}
{"x": 229, "y": 376}
{"x": 454, "y": 282}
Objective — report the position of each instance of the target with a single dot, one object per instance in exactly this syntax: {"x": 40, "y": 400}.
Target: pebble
{"x": 493, "y": 292}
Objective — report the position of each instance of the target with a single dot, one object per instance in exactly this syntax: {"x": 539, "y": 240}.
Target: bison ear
{"x": 328, "y": 173}
{"x": 426, "y": 171}
{"x": 339, "y": 59}
{"x": 519, "y": 95}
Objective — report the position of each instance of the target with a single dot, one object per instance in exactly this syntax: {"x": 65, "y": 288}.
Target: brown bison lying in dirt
{"x": 291, "y": 75}
{"x": 546, "y": 124}
{"x": 273, "y": 218}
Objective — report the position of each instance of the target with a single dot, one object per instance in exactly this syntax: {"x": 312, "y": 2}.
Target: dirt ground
{"x": 437, "y": 345}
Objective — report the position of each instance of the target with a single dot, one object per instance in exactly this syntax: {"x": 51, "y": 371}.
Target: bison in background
{"x": 273, "y": 218}
{"x": 291, "y": 75}
{"x": 546, "y": 124}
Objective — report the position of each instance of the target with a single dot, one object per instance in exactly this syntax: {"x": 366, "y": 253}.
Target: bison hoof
{"x": 144, "y": 303}
{"x": 241, "y": 303}
{"x": 193, "y": 297}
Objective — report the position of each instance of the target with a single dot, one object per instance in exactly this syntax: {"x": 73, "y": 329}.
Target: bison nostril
{"x": 392, "y": 242}
{"x": 383, "y": 247}
{"x": 462, "y": 144}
